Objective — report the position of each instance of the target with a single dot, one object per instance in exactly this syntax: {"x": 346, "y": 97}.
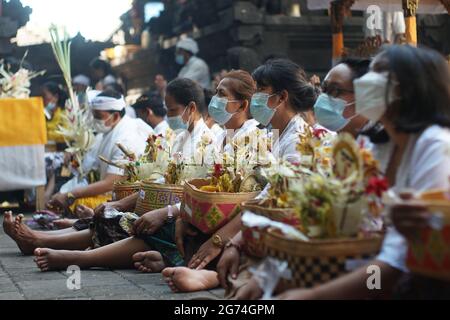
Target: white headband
{"x": 108, "y": 104}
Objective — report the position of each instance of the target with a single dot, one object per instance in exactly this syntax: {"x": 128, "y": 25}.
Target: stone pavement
{"x": 21, "y": 280}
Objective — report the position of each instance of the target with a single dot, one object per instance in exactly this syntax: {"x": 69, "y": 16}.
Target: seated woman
{"x": 230, "y": 108}
{"x": 209, "y": 120}
{"x": 334, "y": 109}
{"x": 282, "y": 94}
{"x": 185, "y": 102}
{"x": 407, "y": 90}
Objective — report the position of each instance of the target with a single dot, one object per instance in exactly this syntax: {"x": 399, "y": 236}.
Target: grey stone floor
{"x": 21, "y": 280}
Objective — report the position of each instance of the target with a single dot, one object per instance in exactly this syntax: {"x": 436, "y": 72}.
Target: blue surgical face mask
{"x": 329, "y": 112}
{"x": 177, "y": 123}
{"x": 259, "y": 109}
{"x": 217, "y": 109}
{"x": 179, "y": 59}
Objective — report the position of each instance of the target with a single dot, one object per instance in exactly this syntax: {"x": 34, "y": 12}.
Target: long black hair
{"x": 423, "y": 79}
{"x": 283, "y": 74}
{"x": 57, "y": 90}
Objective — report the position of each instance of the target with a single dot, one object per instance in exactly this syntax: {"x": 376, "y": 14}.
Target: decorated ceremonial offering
{"x": 154, "y": 196}
{"x": 428, "y": 252}
{"x": 130, "y": 184}
{"x": 211, "y": 203}
{"x": 153, "y": 164}
{"x": 335, "y": 200}
{"x": 167, "y": 190}
{"x": 78, "y": 134}
{"x": 142, "y": 172}
{"x": 167, "y": 186}
{"x": 16, "y": 84}
{"x": 315, "y": 149}
{"x": 343, "y": 203}
{"x": 318, "y": 261}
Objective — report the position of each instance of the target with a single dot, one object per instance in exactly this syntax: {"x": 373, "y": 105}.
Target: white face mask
{"x": 370, "y": 95}
{"x": 101, "y": 127}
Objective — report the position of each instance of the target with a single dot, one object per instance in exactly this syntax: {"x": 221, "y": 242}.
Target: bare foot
{"x": 48, "y": 259}
{"x": 183, "y": 279}
{"x": 64, "y": 223}
{"x": 27, "y": 240}
{"x": 8, "y": 224}
{"x": 149, "y": 262}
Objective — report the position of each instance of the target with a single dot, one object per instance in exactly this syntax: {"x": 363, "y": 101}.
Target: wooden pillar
{"x": 339, "y": 9}
{"x": 409, "y": 10}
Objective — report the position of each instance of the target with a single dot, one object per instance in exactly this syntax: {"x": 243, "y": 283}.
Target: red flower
{"x": 319, "y": 133}
{"x": 377, "y": 186}
{"x": 75, "y": 164}
{"x": 317, "y": 203}
{"x": 218, "y": 170}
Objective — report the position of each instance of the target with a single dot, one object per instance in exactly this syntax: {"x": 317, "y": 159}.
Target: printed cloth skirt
{"x": 113, "y": 229}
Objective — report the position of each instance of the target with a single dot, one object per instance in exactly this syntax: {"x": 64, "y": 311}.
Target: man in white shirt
{"x": 194, "y": 68}
{"x": 150, "y": 108}
{"x": 112, "y": 126}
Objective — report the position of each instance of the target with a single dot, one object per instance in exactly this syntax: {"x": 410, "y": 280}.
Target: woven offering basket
{"x": 154, "y": 196}
{"x": 254, "y": 237}
{"x": 123, "y": 190}
{"x": 209, "y": 211}
{"x": 429, "y": 255}
{"x": 318, "y": 261}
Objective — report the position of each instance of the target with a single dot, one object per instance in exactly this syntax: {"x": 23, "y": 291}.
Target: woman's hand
{"x": 207, "y": 253}
{"x": 58, "y": 201}
{"x": 249, "y": 291}
{"x": 228, "y": 264}
{"x": 181, "y": 230}
{"x": 100, "y": 210}
{"x": 410, "y": 219}
{"x": 150, "y": 222}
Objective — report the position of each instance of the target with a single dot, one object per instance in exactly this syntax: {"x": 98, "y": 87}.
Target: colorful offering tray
{"x": 209, "y": 211}
{"x": 429, "y": 254}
